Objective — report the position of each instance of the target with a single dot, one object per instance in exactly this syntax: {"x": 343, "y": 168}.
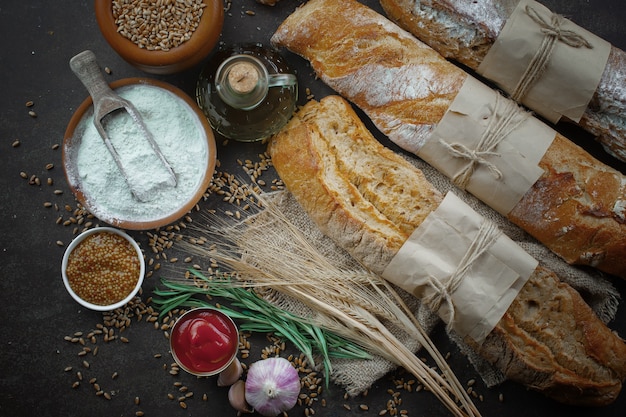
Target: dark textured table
{"x": 39, "y": 366}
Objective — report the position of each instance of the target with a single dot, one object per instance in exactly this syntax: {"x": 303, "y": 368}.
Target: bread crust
{"x": 549, "y": 339}
{"x": 464, "y": 31}
{"x": 314, "y": 167}
{"x": 577, "y": 208}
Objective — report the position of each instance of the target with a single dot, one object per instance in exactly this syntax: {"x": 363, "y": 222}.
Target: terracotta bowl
{"x": 177, "y": 59}
{"x": 154, "y": 218}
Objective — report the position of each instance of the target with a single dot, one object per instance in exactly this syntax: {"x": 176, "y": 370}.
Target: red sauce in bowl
{"x": 204, "y": 341}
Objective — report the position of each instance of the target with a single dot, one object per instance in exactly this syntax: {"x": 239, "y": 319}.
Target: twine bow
{"x": 505, "y": 118}
{"x": 553, "y": 33}
{"x": 487, "y": 235}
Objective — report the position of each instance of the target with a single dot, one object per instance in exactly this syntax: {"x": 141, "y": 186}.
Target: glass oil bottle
{"x": 247, "y": 92}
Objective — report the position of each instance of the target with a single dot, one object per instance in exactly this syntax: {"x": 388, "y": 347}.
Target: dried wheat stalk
{"x": 267, "y": 250}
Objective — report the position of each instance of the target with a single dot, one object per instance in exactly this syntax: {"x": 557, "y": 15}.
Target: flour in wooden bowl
{"x": 183, "y": 137}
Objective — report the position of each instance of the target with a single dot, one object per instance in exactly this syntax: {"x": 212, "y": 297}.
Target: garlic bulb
{"x": 272, "y": 386}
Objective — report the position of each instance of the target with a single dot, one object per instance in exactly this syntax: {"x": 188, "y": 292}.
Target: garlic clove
{"x": 231, "y": 374}
{"x": 237, "y": 397}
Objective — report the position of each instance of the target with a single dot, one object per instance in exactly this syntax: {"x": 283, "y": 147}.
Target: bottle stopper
{"x": 243, "y": 77}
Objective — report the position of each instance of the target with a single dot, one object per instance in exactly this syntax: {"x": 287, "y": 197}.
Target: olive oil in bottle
{"x": 247, "y": 92}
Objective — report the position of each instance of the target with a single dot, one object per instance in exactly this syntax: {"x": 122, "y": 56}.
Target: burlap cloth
{"x": 358, "y": 375}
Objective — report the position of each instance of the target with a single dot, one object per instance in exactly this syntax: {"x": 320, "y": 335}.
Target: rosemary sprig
{"x": 256, "y": 314}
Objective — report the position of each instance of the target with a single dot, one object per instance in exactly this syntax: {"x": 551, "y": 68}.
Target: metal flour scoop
{"x": 106, "y": 103}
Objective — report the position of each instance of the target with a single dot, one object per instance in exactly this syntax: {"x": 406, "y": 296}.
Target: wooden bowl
{"x": 179, "y": 58}
{"x": 155, "y": 217}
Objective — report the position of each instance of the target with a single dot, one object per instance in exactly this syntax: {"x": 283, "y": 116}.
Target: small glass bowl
{"x": 79, "y": 239}
{"x": 232, "y": 360}
{"x": 177, "y": 59}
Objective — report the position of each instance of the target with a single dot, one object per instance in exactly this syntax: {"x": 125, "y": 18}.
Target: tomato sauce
{"x": 204, "y": 341}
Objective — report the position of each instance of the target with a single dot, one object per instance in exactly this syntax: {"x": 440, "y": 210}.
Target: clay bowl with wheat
{"x": 162, "y": 37}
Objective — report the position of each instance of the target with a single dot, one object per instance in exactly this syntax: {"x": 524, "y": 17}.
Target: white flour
{"x": 180, "y": 137}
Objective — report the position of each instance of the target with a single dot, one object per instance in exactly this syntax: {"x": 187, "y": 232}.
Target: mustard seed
{"x": 103, "y": 269}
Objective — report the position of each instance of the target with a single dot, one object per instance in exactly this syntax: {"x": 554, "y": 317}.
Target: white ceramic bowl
{"x": 80, "y": 238}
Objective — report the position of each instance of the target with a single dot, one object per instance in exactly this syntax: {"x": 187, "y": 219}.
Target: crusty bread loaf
{"x": 365, "y": 181}
{"x": 465, "y": 30}
{"x": 577, "y": 208}
{"x": 369, "y": 199}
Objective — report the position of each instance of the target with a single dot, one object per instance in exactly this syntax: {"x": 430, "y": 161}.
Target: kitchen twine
{"x": 357, "y": 375}
{"x": 538, "y": 64}
{"x": 487, "y": 235}
{"x": 506, "y": 117}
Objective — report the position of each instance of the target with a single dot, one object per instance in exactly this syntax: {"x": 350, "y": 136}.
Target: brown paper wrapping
{"x": 571, "y": 76}
{"x": 430, "y": 257}
{"x": 516, "y": 157}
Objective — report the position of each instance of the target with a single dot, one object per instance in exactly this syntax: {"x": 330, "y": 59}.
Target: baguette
{"x": 465, "y": 30}
{"x": 577, "y": 208}
{"x": 548, "y": 339}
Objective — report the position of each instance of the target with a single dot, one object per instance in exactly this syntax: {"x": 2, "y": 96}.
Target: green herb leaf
{"x": 256, "y": 315}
